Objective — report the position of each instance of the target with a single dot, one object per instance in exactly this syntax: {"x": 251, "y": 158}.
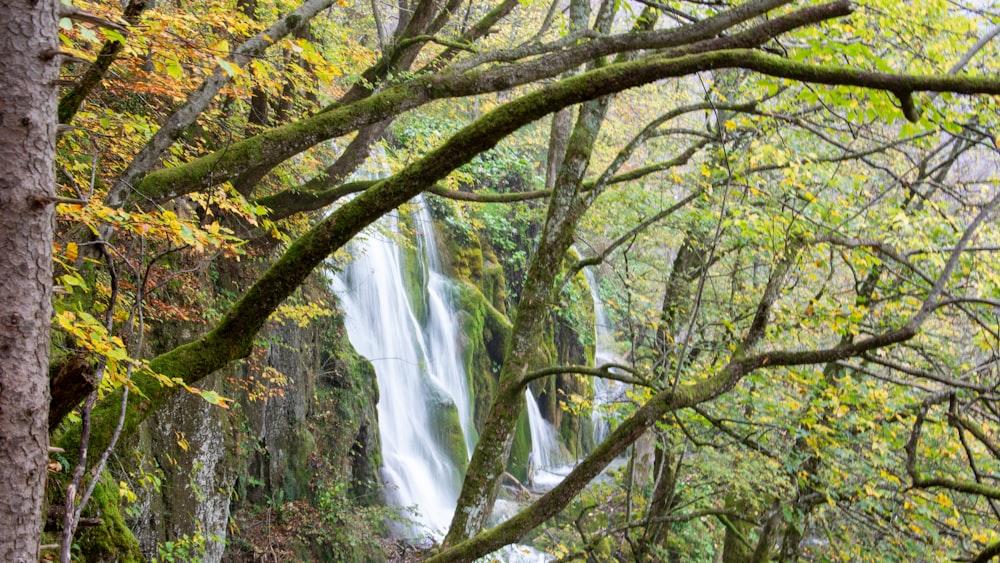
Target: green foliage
{"x": 182, "y": 550}
{"x": 338, "y": 530}
{"x": 505, "y": 168}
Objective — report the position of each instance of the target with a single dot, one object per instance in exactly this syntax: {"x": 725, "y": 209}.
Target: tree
{"x": 27, "y": 152}
{"x": 434, "y": 59}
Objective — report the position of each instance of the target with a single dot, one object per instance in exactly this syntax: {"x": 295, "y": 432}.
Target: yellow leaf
{"x": 72, "y": 251}
{"x": 944, "y": 500}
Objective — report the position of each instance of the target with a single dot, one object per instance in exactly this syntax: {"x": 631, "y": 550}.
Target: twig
{"x": 80, "y": 15}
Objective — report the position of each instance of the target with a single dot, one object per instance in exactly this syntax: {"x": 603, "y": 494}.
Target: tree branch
{"x": 198, "y": 100}
{"x": 266, "y": 150}
{"x": 603, "y": 372}
{"x": 70, "y": 101}
{"x": 67, "y": 11}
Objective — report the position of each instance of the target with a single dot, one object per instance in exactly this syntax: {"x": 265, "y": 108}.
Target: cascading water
{"x": 547, "y": 465}
{"x": 545, "y": 451}
{"x": 422, "y": 384}
{"x": 605, "y": 391}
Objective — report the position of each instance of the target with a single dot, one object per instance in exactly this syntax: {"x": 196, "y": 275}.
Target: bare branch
{"x": 66, "y": 11}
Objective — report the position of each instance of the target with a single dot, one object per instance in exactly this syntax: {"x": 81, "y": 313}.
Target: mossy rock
{"x": 344, "y": 414}
{"x": 112, "y": 541}
{"x": 448, "y": 428}
{"x": 414, "y": 272}
{"x": 459, "y": 246}
{"x": 485, "y": 332}
{"x": 520, "y": 450}
{"x": 494, "y": 284}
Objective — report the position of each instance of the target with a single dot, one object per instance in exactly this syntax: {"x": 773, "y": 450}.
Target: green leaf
{"x": 175, "y": 70}
{"x": 226, "y": 66}
{"x": 113, "y": 35}
{"x": 88, "y": 34}
{"x": 213, "y": 397}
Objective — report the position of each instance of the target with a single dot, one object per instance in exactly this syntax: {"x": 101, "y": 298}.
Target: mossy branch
{"x": 489, "y": 197}
{"x": 458, "y": 45}
{"x": 290, "y": 202}
{"x": 268, "y": 149}
{"x": 606, "y": 371}
{"x": 921, "y": 482}
{"x": 275, "y": 145}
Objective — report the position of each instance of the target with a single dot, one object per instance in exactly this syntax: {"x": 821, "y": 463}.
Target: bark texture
{"x": 28, "y": 39}
{"x": 566, "y": 207}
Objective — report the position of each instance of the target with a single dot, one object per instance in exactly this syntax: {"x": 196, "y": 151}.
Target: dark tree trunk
{"x": 28, "y": 40}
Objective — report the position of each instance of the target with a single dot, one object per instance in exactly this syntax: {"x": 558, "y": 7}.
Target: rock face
{"x": 186, "y": 443}
{"x": 303, "y": 418}
{"x": 301, "y": 438}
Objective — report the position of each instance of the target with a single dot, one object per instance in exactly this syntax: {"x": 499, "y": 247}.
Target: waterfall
{"x": 605, "y": 391}
{"x": 422, "y": 384}
{"x": 547, "y": 466}
{"x": 545, "y": 452}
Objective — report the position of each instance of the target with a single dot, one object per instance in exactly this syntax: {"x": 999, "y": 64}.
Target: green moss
{"x": 344, "y": 412}
{"x": 298, "y": 472}
{"x": 485, "y": 334}
{"x": 460, "y": 248}
{"x": 448, "y": 429}
{"x": 112, "y": 540}
{"x": 414, "y": 273}
{"x": 494, "y": 284}
{"x": 517, "y": 464}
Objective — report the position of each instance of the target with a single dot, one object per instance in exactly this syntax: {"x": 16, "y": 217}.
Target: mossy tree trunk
{"x": 736, "y": 546}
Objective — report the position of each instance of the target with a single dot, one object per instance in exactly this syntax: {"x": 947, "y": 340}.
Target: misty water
{"x": 419, "y": 370}
{"x": 606, "y": 391}
{"x": 413, "y": 343}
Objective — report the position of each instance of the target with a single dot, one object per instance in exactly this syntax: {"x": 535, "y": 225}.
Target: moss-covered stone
{"x": 345, "y": 414}
{"x": 414, "y": 270}
{"x": 459, "y": 246}
{"x": 112, "y": 541}
{"x": 485, "y": 332}
{"x": 494, "y": 284}
{"x": 448, "y": 429}
{"x": 520, "y": 450}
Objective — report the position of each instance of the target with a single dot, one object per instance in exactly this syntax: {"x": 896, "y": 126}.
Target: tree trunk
{"x": 566, "y": 207}
{"x": 28, "y": 40}
{"x": 736, "y": 547}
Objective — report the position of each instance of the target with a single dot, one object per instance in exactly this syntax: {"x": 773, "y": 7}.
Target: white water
{"x": 419, "y": 370}
{"x": 548, "y": 468}
{"x": 605, "y": 391}
{"x": 545, "y": 451}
